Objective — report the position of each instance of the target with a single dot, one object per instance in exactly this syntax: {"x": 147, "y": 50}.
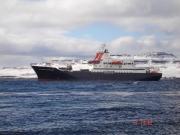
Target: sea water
{"x": 29, "y": 106}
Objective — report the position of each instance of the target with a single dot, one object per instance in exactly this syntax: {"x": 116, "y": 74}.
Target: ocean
{"x": 32, "y": 107}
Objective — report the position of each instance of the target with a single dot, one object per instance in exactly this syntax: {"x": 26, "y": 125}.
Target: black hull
{"x": 49, "y": 73}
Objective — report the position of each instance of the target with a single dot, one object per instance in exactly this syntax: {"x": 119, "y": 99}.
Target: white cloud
{"x": 142, "y": 44}
{"x": 38, "y": 27}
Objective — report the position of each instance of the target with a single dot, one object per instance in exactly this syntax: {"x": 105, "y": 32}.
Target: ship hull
{"x": 50, "y": 73}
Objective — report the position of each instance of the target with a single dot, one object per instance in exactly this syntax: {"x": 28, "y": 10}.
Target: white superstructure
{"x": 103, "y": 62}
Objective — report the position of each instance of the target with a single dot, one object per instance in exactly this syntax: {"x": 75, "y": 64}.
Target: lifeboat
{"x": 117, "y": 62}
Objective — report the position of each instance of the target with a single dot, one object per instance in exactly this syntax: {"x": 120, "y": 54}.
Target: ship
{"x": 102, "y": 67}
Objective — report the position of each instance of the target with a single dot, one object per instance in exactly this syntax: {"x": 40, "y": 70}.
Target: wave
{"x": 170, "y": 72}
{"x": 17, "y": 72}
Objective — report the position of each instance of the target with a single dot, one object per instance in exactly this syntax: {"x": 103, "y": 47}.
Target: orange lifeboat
{"x": 116, "y": 62}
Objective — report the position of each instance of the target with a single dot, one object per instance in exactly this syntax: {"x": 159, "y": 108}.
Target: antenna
{"x": 103, "y": 47}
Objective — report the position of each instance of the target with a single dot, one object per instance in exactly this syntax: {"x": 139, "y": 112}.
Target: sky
{"x": 33, "y": 29}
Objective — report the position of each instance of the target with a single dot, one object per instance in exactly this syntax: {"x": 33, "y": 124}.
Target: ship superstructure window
{"x": 159, "y": 62}
{"x": 176, "y": 62}
{"x": 140, "y": 62}
{"x": 128, "y": 63}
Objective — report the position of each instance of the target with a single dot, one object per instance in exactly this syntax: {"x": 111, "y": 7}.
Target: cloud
{"x": 66, "y": 14}
{"x": 150, "y": 43}
{"x": 39, "y": 27}
{"x": 45, "y": 44}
